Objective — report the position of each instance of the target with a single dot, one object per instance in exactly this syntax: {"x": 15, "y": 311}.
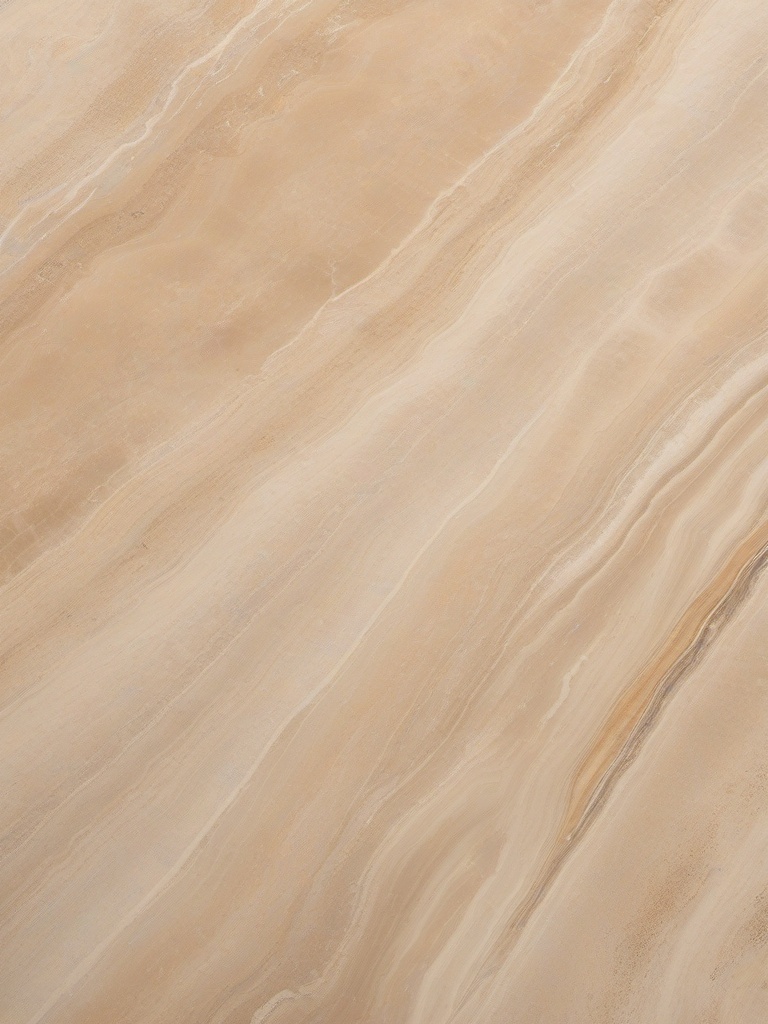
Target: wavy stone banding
{"x": 384, "y": 450}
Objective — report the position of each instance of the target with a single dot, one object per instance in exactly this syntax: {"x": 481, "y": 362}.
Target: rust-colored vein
{"x": 619, "y": 741}
{"x": 621, "y": 738}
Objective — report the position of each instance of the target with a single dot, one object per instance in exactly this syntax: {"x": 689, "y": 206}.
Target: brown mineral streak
{"x": 383, "y": 488}
{"x": 620, "y": 740}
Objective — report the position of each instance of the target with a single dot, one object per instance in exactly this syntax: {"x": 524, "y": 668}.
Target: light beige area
{"x": 384, "y": 512}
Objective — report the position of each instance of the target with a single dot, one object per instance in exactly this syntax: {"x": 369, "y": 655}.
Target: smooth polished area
{"x": 384, "y": 512}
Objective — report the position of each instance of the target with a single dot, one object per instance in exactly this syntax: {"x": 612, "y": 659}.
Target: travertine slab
{"x": 384, "y": 512}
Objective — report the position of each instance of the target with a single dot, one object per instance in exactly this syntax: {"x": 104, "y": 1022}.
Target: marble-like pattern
{"x": 384, "y": 519}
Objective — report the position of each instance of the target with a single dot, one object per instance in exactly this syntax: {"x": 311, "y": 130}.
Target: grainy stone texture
{"x": 384, "y": 512}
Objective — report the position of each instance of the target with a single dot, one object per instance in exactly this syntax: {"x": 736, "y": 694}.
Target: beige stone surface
{"x": 384, "y": 512}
